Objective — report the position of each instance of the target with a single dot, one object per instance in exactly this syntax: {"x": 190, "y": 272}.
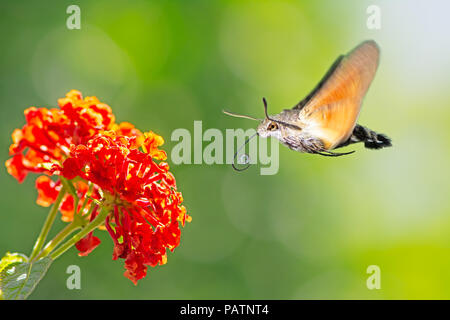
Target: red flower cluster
{"x": 81, "y": 140}
{"x": 48, "y": 134}
{"x": 147, "y": 206}
{"x": 46, "y": 138}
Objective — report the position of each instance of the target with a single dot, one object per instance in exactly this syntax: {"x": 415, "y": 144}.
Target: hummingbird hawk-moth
{"x": 325, "y": 119}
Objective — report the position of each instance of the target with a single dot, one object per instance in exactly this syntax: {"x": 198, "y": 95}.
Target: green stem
{"x": 48, "y": 224}
{"x": 64, "y": 233}
{"x": 78, "y": 222}
{"x": 99, "y": 219}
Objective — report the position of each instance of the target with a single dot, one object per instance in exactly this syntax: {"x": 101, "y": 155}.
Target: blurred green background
{"x": 308, "y": 232}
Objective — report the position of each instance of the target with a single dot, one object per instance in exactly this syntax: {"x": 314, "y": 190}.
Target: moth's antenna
{"x": 239, "y": 115}
{"x": 265, "y": 108}
{"x": 278, "y": 121}
{"x": 247, "y": 156}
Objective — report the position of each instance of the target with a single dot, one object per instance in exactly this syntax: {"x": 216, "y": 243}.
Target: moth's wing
{"x": 327, "y": 75}
{"x": 330, "y": 113}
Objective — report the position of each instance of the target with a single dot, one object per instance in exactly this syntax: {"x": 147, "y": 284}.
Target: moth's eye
{"x": 272, "y": 126}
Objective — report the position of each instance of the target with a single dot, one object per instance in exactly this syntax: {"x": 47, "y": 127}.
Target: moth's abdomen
{"x": 371, "y": 139}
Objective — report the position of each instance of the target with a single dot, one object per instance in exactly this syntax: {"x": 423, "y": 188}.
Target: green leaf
{"x": 19, "y": 277}
{"x": 11, "y": 258}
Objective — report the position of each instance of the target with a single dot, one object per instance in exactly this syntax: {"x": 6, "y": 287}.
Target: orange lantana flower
{"x": 107, "y": 166}
{"x": 147, "y": 206}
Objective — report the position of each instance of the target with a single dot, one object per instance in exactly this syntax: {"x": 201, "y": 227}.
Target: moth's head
{"x": 269, "y": 128}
